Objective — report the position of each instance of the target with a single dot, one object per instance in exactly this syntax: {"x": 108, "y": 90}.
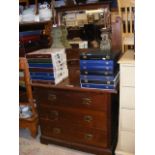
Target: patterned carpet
{"x": 30, "y": 146}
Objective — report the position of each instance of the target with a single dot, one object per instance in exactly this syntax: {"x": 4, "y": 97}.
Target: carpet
{"x": 33, "y": 147}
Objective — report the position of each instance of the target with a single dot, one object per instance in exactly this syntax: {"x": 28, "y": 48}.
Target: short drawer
{"x": 73, "y": 133}
{"x": 75, "y": 99}
{"x": 127, "y": 119}
{"x": 82, "y": 118}
{"x": 127, "y": 97}
{"x": 127, "y": 75}
{"x": 127, "y": 141}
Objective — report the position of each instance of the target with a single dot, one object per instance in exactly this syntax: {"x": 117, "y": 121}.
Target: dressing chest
{"x": 84, "y": 119}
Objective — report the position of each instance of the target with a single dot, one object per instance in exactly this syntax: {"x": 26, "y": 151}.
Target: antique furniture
{"x": 126, "y": 12}
{"x": 84, "y": 119}
{"x": 85, "y": 21}
{"x": 45, "y": 40}
{"x": 126, "y": 141}
{"x": 29, "y": 41}
{"x": 32, "y": 122}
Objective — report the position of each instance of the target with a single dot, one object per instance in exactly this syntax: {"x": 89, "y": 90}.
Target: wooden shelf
{"x": 83, "y": 6}
{"x": 34, "y": 23}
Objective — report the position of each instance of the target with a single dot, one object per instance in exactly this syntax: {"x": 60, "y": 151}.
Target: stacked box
{"x": 48, "y": 66}
{"x": 99, "y": 70}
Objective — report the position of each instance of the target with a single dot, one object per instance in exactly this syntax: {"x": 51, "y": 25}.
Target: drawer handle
{"x": 86, "y": 101}
{"x": 52, "y": 97}
{"x": 56, "y": 130}
{"x": 88, "y": 118}
{"x": 54, "y": 115}
{"x": 88, "y": 136}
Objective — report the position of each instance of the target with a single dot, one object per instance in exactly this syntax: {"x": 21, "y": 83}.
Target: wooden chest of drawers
{"x": 84, "y": 119}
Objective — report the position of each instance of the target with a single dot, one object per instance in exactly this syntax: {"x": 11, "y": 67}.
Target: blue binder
{"x": 96, "y": 72}
{"x": 40, "y": 65}
{"x": 98, "y": 86}
{"x": 41, "y": 74}
{"x": 98, "y": 67}
{"x": 97, "y": 62}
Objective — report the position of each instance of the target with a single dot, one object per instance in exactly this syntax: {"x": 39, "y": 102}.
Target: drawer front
{"x": 127, "y": 97}
{"x": 74, "y": 134}
{"x": 75, "y": 99}
{"x": 83, "y": 118}
{"x": 127, "y": 141}
{"x": 127, "y": 76}
{"x": 127, "y": 119}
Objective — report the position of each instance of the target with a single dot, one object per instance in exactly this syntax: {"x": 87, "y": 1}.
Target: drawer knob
{"x": 56, "y": 130}
{"x": 88, "y": 118}
{"x": 86, "y": 101}
{"x": 54, "y": 115}
{"x": 52, "y": 97}
{"x": 88, "y": 136}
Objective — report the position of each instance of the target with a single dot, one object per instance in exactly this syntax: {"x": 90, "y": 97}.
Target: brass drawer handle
{"x": 56, "y": 130}
{"x": 86, "y": 101}
{"x": 54, "y": 115}
{"x": 88, "y": 118}
{"x": 88, "y": 136}
{"x": 52, "y": 97}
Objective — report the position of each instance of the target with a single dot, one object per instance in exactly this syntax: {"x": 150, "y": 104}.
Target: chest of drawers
{"x": 84, "y": 119}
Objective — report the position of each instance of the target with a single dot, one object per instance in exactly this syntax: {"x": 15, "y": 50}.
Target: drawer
{"x": 72, "y": 98}
{"x": 127, "y": 119}
{"x": 127, "y": 76}
{"x": 127, "y": 141}
{"x": 127, "y": 97}
{"x": 72, "y": 133}
{"x": 82, "y": 118}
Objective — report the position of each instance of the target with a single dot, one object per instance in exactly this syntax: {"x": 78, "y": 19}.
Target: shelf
{"x": 83, "y": 6}
{"x": 34, "y": 23}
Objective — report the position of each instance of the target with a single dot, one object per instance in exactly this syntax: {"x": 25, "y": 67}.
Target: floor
{"x": 58, "y": 150}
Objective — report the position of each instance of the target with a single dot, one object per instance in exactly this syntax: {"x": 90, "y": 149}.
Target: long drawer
{"x": 127, "y": 97}
{"x": 72, "y": 133}
{"x": 74, "y": 99}
{"x": 127, "y": 75}
{"x": 78, "y": 117}
{"x": 127, "y": 120}
{"x": 127, "y": 141}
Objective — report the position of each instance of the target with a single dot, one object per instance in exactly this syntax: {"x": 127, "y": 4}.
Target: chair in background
{"x": 126, "y": 12}
{"x": 31, "y": 122}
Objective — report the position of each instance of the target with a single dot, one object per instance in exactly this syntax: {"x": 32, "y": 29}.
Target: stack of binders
{"x": 47, "y": 66}
{"x": 33, "y": 40}
{"x": 99, "y": 70}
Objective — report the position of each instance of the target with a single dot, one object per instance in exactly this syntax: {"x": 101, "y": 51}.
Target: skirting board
{"x": 117, "y": 152}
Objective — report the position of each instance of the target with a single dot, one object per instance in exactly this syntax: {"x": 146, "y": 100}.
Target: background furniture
{"x": 126, "y": 141}
{"x": 32, "y": 122}
{"x": 126, "y": 12}
{"x": 33, "y": 42}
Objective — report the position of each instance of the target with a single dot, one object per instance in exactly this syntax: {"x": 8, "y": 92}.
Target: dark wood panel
{"x": 116, "y": 34}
